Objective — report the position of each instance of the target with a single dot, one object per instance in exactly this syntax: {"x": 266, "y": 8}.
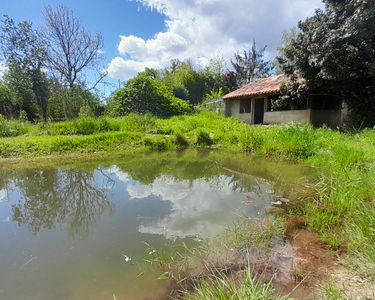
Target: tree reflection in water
{"x": 52, "y": 196}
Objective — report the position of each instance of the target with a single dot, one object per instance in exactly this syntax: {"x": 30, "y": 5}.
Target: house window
{"x": 245, "y": 106}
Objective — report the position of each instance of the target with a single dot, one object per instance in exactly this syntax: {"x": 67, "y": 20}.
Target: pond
{"x": 84, "y": 231}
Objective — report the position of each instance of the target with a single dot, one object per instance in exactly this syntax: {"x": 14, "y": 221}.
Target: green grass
{"x": 332, "y": 292}
{"x": 14, "y": 128}
{"x": 340, "y": 206}
{"x": 222, "y": 287}
{"x": 229, "y": 266}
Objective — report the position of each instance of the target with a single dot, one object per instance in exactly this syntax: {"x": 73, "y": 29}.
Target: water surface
{"x": 68, "y": 232}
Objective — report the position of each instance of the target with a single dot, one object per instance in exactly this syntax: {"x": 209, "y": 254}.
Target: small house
{"x": 253, "y": 104}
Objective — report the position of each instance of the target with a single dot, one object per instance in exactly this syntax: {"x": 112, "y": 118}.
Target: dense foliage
{"x": 294, "y": 95}
{"x": 44, "y": 78}
{"x": 23, "y": 51}
{"x": 194, "y": 84}
{"x": 144, "y": 94}
{"x": 334, "y": 51}
{"x": 45, "y": 65}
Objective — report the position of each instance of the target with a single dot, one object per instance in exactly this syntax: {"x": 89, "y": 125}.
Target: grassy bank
{"x": 340, "y": 207}
{"x": 205, "y": 129}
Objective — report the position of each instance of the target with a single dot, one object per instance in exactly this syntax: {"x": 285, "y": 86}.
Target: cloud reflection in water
{"x": 198, "y": 208}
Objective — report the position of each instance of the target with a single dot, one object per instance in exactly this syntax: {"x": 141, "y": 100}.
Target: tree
{"x": 251, "y": 65}
{"x": 24, "y": 52}
{"x": 53, "y": 197}
{"x": 185, "y": 82}
{"x": 230, "y": 81}
{"x": 78, "y": 102}
{"x": 193, "y": 84}
{"x": 334, "y": 51}
{"x": 144, "y": 94}
{"x": 71, "y": 49}
{"x": 8, "y": 101}
{"x": 294, "y": 95}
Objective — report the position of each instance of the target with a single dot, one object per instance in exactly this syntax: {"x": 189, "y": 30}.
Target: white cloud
{"x": 202, "y": 29}
{"x": 132, "y": 45}
{"x": 200, "y": 207}
{"x": 122, "y": 176}
{"x": 3, "y": 69}
{"x": 124, "y": 69}
{"x": 3, "y": 195}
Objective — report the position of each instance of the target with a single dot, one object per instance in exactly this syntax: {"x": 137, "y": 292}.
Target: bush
{"x": 85, "y": 126}
{"x": 250, "y": 140}
{"x": 204, "y": 138}
{"x": 144, "y": 94}
{"x": 180, "y": 140}
{"x": 12, "y": 128}
{"x": 137, "y": 122}
{"x": 157, "y": 143}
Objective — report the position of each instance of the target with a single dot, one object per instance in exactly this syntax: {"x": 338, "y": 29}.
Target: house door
{"x": 258, "y": 111}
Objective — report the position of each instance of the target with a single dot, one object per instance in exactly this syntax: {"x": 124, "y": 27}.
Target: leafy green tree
{"x": 8, "y": 101}
{"x": 294, "y": 95}
{"x": 77, "y": 100}
{"x": 184, "y": 81}
{"x": 24, "y": 52}
{"x": 144, "y": 94}
{"x": 192, "y": 84}
{"x": 251, "y": 65}
{"x": 213, "y": 95}
{"x": 334, "y": 51}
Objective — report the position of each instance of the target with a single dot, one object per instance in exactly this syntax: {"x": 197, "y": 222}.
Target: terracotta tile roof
{"x": 265, "y": 86}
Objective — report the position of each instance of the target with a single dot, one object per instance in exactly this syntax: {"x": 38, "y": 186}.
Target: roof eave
{"x": 275, "y": 92}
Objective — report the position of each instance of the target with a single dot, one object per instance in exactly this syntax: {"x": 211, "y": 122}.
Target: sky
{"x": 149, "y": 33}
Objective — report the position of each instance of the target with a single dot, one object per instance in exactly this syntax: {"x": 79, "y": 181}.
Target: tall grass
{"x": 223, "y": 287}
{"x": 10, "y": 128}
{"x": 87, "y": 126}
{"x": 234, "y": 265}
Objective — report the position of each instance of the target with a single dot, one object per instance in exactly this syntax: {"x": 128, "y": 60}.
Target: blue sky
{"x": 149, "y": 33}
{"x": 111, "y": 18}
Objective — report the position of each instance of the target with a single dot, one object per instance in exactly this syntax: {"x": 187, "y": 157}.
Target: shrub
{"x": 138, "y": 122}
{"x": 251, "y": 139}
{"x": 204, "y": 138}
{"x": 12, "y": 128}
{"x": 180, "y": 140}
{"x": 144, "y": 94}
{"x": 157, "y": 143}
{"x": 61, "y": 128}
{"x": 85, "y": 126}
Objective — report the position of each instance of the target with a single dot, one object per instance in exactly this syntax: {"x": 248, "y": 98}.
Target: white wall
{"x": 287, "y": 116}
{"x": 235, "y": 111}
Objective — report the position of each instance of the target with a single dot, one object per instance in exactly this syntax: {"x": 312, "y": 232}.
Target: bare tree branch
{"x": 71, "y": 49}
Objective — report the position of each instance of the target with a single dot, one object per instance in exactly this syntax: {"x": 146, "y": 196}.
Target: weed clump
{"x": 157, "y": 143}
{"x": 239, "y": 264}
{"x": 9, "y": 128}
{"x": 204, "y": 138}
{"x": 180, "y": 140}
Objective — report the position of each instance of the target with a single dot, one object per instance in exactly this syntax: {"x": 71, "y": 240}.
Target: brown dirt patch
{"x": 313, "y": 262}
